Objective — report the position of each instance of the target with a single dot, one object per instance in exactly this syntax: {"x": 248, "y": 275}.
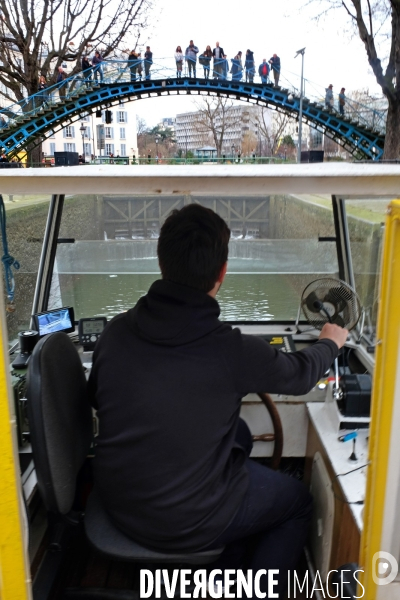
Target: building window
{"x": 69, "y": 147}
{"x": 109, "y": 133}
{"x": 109, "y": 149}
{"x": 88, "y": 149}
{"x": 52, "y": 148}
{"x": 87, "y": 132}
{"x": 123, "y": 149}
{"x": 69, "y": 131}
{"x": 122, "y": 116}
{"x": 122, "y": 133}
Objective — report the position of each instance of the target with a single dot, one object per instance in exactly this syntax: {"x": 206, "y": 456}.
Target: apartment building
{"x": 239, "y": 123}
{"x": 120, "y": 136}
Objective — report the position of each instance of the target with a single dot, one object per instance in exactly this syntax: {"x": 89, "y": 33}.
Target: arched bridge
{"x": 34, "y": 119}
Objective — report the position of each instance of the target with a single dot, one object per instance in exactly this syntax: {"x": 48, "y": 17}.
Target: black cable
{"x": 343, "y": 475}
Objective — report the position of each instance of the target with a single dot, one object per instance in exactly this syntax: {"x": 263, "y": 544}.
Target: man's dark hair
{"x": 193, "y": 247}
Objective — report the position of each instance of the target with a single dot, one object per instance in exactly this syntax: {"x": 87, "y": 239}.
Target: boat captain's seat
{"x": 61, "y": 428}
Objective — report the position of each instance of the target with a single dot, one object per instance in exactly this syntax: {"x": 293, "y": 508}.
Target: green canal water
{"x": 248, "y": 297}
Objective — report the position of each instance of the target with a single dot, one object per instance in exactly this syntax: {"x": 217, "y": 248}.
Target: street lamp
{"x": 233, "y": 152}
{"x": 301, "y": 103}
{"x": 157, "y": 140}
{"x": 82, "y": 129}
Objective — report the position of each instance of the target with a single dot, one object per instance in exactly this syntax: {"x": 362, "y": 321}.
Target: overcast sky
{"x": 264, "y": 26}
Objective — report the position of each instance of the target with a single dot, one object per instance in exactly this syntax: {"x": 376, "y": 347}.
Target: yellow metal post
{"x": 383, "y": 414}
{"x": 14, "y": 567}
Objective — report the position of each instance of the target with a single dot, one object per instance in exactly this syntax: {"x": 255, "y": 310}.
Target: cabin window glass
{"x": 26, "y": 221}
{"x": 274, "y": 252}
{"x": 365, "y": 218}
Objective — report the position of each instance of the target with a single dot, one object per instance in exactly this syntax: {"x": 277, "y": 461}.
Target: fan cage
{"x": 333, "y": 297}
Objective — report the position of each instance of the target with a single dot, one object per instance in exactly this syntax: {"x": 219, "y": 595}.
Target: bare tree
{"x": 249, "y": 143}
{"x": 377, "y": 23}
{"x": 37, "y": 36}
{"x": 215, "y": 119}
{"x": 270, "y": 130}
{"x": 141, "y": 126}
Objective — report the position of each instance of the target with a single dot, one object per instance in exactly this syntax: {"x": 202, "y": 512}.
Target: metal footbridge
{"x": 361, "y": 130}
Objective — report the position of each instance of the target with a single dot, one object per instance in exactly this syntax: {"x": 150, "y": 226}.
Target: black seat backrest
{"x": 60, "y": 419}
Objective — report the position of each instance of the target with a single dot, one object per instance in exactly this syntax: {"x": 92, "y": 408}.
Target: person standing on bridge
{"x": 263, "y": 71}
{"x": 62, "y": 88}
{"x": 179, "y": 62}
{"x": 342, "y": 100}
{"x": 148, "y": 61}
{"x": 97, "y": 61}
{"x": 218, "y": 54}
{"x": 86, "y": 69}
{"x": 237, "y": 67}
{"x": 205, "y": 60}
{"x": 43, "y": 94}
{"x": 191, "y": 58}
{"x": 275, "y": 63}
{"x": 329, "y": 96}
{"x": 133, "y": 63}
{"x": 250, "y": 68}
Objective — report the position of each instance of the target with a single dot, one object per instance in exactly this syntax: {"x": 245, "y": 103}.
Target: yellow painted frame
{"x": 15, "y": 583}
{"x": 383, "y": 398}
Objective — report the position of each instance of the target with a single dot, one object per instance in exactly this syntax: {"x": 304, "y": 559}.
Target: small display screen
{"x": 57, "y": 320}
{"x": 92, "y": 326}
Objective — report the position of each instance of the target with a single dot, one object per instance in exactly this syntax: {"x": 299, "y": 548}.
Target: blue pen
{"x": 348, "y": 437}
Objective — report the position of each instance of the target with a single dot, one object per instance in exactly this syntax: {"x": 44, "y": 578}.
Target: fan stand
{"x": 337, "y": 390}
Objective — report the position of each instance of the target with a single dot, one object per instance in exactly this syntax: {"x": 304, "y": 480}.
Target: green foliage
{"x": 165, "y": 135}
{"x": 287, "y": 140}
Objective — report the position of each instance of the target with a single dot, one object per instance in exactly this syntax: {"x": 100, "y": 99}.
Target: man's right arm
{"x": 265, "y": 369}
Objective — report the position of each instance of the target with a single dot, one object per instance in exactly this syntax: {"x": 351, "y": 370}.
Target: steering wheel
{"x": 277, "y": 436}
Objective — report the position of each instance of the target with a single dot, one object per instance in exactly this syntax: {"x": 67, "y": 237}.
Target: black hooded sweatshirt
{"x": 167, "y": 380}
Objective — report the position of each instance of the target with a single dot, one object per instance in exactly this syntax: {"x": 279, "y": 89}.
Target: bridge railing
{"x": 123, "y": 70}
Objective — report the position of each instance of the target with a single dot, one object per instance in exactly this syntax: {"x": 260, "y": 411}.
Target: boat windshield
{"x": 107, "y": 252}
{"x": 365, "y": 220}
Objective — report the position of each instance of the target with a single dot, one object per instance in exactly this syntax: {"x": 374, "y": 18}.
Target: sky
{"x": 265, "y": 26}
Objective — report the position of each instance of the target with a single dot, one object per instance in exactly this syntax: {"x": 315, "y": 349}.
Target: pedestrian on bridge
{"x": 43, "y": 94}
{"x": 250, "y": 67}
{"x": 205, "y": 60}
{"x": 263, "y": 71}
{"x": 342, "y": 101}
{"x": 62, "y": 88}
{"x": 133, "y": 62}
{"x": 191, "y": 58}
{"x": 329, "y": 96}
{"x": 237, "y": 67}
{"x": 97, "y": 61}
{"x": 179, "y": 62}
{"x": 275, "y": 63}
{"x": 86, "y": 68}
{"x": 218, "y": 55}
{"x": 148, "y": 61}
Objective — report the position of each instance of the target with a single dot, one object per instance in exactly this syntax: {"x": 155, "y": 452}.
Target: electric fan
{"x": 329, "y": 300}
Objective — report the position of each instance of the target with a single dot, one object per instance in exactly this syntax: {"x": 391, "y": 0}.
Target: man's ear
{"x": 222, "y": 273}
